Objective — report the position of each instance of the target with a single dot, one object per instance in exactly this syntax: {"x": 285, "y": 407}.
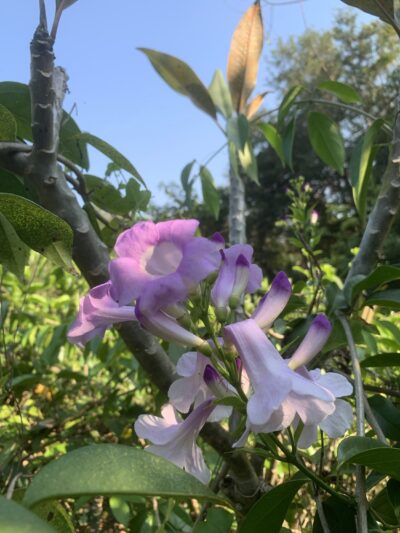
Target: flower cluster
{"x": 176, "y": 285}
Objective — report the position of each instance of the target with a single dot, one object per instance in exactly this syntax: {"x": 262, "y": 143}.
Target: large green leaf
{"x": 8, "y": 125}
{"x": 326, "y": 140}
{"x": 381, "y": 360}
{"x": 288, "y": 141}
{"x": 371, "y": 453}
{"x": 387, "y": 415}
{"x": 13, "y": 252}
{"x": 389, "y": 298}
{"x": 220, "y": 94}
{"x": 14, "y": 518}
{"x": 38, "y": 228}
{"x": 238, "y": 131}
{"x": 114, "y": 470}
{"x": 270, "y": 510}
{"x": 344, "y": 92}
{"x": 382, "y": 274}
{"x": 340, "y": 517}
{"x": 218, "y": 521}
{"x": 55, "y": 515}
{"x": 361, "y": 166}
{"x": 210, "y": 192}
{"x": 180, "y": 77}
{"x": 14, "y": 185}
{"x": 112, "y": 153}
{"x": 274, "y": 139}
{"x": 16, "y": 98}
{"x": 288, "y": 101}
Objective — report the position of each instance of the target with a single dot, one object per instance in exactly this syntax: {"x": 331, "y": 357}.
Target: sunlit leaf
{"x": 180, "y": 77}
{"x": 55, "y": 515}
{"x": 15, "y": 518}
{"x": 271, "y": 508}
{"x": 210, "y": 192}
{"x": 288, "y": 101}
{"x": 249, "y": 162}
{"x": 113, "y": 470}
{"x": 244, "y": 56}
{"x": 13, "y": 252}
{"x": 8, "y": 125}
{"x": 326, "y": 140}
{"x": 343, "y": 91}
{"x": 220, "y": 94}
{"x": 274, "y": 140}
{"x": 254, "y": 105}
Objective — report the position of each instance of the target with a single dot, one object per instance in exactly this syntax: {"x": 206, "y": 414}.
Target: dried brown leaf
{"x": 254, "y": 105}
{"x": 244, "y": 56}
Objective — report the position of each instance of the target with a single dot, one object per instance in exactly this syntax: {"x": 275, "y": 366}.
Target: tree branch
{"x": 237, "y": 209}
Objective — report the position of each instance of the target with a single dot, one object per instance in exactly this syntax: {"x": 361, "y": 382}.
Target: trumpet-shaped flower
{"x": 279, "y": 393}
{"x": 166, "y": 252}
{"x": 273, "y": 302}
{"x": 97, "y": 312}
{"x": 236, "y": 276}
{"x": 176, "y": 440}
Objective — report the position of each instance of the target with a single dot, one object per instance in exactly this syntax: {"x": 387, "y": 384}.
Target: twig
{"x": 56, "y": 20}
{"x": 42, "y": 16}
{"x": 362, "y": 504}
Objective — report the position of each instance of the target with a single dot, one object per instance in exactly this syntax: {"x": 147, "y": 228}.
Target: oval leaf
{"x": 210, "y": 192}
{"x": 382, "y": 359}
{"x": 387, "y": 415}
{"x": 38, "y": 228}
{"x": 274, "y": 140}
{"x": 288, "y": 141}
{"x": 8, "y": 125}
{"x": 182, "y": 79}
{"x": 244, "y": 56}
{"x": 13, "y": 252}
{"x": 14, "y": 518}
{"x": 371, "y": 453}
{"x": 220, "y": 94}
{"x": 389, "y": 299}
{"x": 113, "y": 470}
{"x": 271, "y": 509}
{"x": 248, "y": 161}
{"x": 288, "y": 101}
{"x": 344, "y": 92}
{"x": 326, "y": 140}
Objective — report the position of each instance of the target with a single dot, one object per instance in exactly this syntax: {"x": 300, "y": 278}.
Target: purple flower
{"x": 236, "y": 276}
{"x": 312, "y": 343}
{"x": 279, "y": 393}
{"x": 176, "y": 440}
{"x": 167, "y": 253}
{"x": 273, "y": 302}
{"x": 97, "y": 312}
{"x": 191, "y": 388}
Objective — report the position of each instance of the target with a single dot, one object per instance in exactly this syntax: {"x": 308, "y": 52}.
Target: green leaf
{"x": 180, "y": 77}
{"x": 210, "y": 192}
{"x": 343, "y": 91}
{"x": 106, "y": 196}
{"x": 220, "y": 94}
{"x": 326, "y": 140}
{"x": 114, "y": 470}
{"x": 13, "y": 252}
{"x": 16, "y": 98}
{"x": 288, "y": 141}
{"x": 288, "y": 101}
{"x": 38, "y": 228}
{"x": 112, "y": 153}
{"x": 185, "y": 175}
{"x": 381, "y": 360}
{"x": 249, "y": 163}
{"x": 387, "y": 415}
{"x": 55, "y": 515}
{"x": 238, "y": 131}
{"x": 371, "y": 453}
{"x": 8, "y": 125}
{"x": 232, "y": 401}
{"x": 121, "y": 510}
{"x": 217, "y": 521}
{"x": 383, "y": 507}
{"x": 14, "y": 185}
{"x": 361, "y": 166}
{"x": 389, "y": 298}
{"x": 340, "y": 517}
{"x": 382, "y": 274}
{"x": 271, "y": 508}
{"x": 274, "y": 139}
{"x": 393, "y": 490}
{"x": 14, "y": 518}
{"x": 338, "y": 338}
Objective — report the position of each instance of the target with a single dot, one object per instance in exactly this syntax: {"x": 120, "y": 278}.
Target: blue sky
{"x": 117, "y": 94}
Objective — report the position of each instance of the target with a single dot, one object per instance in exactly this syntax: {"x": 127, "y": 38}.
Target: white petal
{"x": 311, "y": 410}
{"x": 182, "y": 393}
{"x": 219, "y": 413}
{"x": 307, "y": 387}
{"x": 337, "y": 423}
{"x": 156, "y": 429}
{"x": 337, "y": 384}
{"x": 308, "y": 436}
{"x": 186, "y": 366}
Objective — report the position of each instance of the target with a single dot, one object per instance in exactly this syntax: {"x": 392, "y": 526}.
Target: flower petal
{"x": 274, "y": 302}
{"x": 312, "y": 343}
{"x": 338, "y": 422}
{"x": 177, "y": 231}
{"x": 336, "y": 383}
{"x": 187, "y": 364}
{"x": 308, "y": 436}
{"x": 200, "y": 259}
{"x": 135, "y": 241}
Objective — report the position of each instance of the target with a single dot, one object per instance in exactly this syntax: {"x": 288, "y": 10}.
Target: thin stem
{"x": 56, "y": 20}
{"x": 362, "y": 504}
{"x": 215, "y": 154}
{"x": 42, "y": 15}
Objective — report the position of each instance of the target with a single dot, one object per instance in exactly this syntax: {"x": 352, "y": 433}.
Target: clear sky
{"x": 117, "y": 94}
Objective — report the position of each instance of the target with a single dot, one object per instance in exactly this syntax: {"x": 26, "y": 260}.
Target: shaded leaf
{"x": 8, "y": 125}
{"x": 340, "y": 517}
{"x": 238, "y": 131}
{"x": 220, "y": 94}
{"x": 38, "y": 228}
{"x": 288, "y": 141}
{"x": 382, "y": 9}
{"x": 14, "y": 184}
{"x": 16, "y": 98}
{"x": 218, "y": 521}
{"x": 393, "y": 490}
{"x": 14, "y": 518}
{"x": 254, "y": 105}
{"x": 13, "y": 252}
{"x": 382, "y": 274}
{"x": 382, "y": 359}
{"x": 55, "y": 515}
{"x": 288, "y": 101}
{"x": 326, "y": 140}
{"x": 371, "y": 453}
{"x": 387, "y": 415}
{"x": 180, "y": 77}
{"x": 248, "y": 161}
{"x": 343, "y": 91}
{"x": 112, "y": 153}
{"x": 114, "y": 470}
{"x": 271, "y": 508}
{"x": 244, "y": 56}
{"x": 274, "y": 139}
{"x": 210, "y": 192}
{"x": 389, "y": 298}
{"x": 382, "y": 505}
